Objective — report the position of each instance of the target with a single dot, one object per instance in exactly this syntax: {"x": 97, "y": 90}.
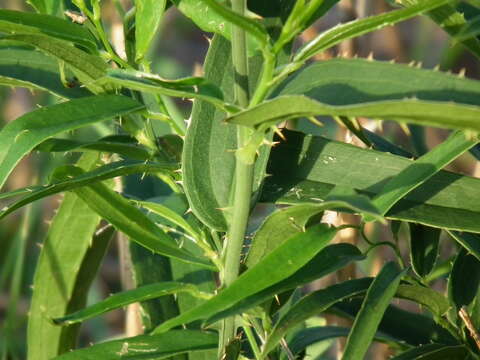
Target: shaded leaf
{"x": 20, "y": 136}
{"x": 366, "y": 322}
{"x": 434, "y": 352}
{"x": 470, "y": 242}
{"x": 306, "y": 168}
{"x": 147, "y": 347}
{"x": 464, "y": 279}
{"x": 304, "y": 245}
{"x": 424, "y": 243}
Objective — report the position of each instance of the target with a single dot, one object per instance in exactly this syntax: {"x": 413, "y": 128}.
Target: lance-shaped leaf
{"x": 422, "y": 169}
{"x": 24, "y": 67}
{"x": 147, "y": 347}
{"x": 284, "y": 223}
{"x": 279, "y": 265}
{"x": 208, "y": 162}
{"x": 148, "y": 15}
{"x": 451, "y": 21}
{"x": 434, "y": 352}
{"x": 130, "y": 220}
{"x": 313, "y": 304}
{"x": 359, "y": 27}
{"x": 56, "y": 286}
{"x": 26, "y": 23}
{"x": 193, "y": 87}
{"x": 424, "y": 247}
{"x": 120, "y": 168}
{"x": 143, "y": 293}
{"x": 45, "y": 6}
{"x": 306, "y": 168}
{"x": 443, "y": 115}
{"x": 469, "y": 241}
{"x": 20, "y": 136}
{"x": 116, "y": 144}
{"x": 366, "y": 322}
{"x": 464, "y": 279}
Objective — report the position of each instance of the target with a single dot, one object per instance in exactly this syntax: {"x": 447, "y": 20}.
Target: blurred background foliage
{"x": 179, "y": 51}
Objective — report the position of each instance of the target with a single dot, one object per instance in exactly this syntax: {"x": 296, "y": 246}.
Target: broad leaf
{"x": 148, "y": 15}
{"x": 208, "y": 157}
{"x": 306, "y": 168}
{"x": 143, "y": 293}
{"x": 55, "y": 292}
{"x": 366, "y": 322}
{"x": 147, "y": 347}
{"x": 24, "y": 67}
{"x": 120, "y": 168}
{"x": 20, "y": 136}
{"x": 304, "y": 245}
{"x": 26, "y": 23}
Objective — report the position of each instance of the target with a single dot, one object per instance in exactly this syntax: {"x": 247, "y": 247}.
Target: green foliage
{"x": 243, "y": 219}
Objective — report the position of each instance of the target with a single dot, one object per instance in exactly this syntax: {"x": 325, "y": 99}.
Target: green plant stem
{"x": 251, "y": 339}
{"x": 243, "y": 174}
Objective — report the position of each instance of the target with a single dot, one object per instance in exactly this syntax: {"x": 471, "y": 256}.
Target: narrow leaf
{"x": 434, "y": 352}
{"x": 306, "y": 168}
{"x": 20, "y": 136}
{"x": 148, "y": 15}
{"x": 378, "y": 297}
{"x": 471, "y": 242}
{"x": 464, "y": 279}
{"x": 112, "y": 170}
{"x": 147, "y": 347}
{"x": 304, "y": 245}
{"x": 143, "y": 293}
{"x": 26, "y": 23}
{"x": 23, "y": 67}
{"x": 424, "y": 247}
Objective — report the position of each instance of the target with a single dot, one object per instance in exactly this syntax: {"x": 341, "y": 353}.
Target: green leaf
{"x": 421, "y": 170}
{"x": 116, "y": 144}
{"x": 424, "y": 243}
{"x": 469, "y": 241}
{"x": 87, "y": 67}
{"x": 26, "y": 23}
{"x": 464, "y": 279}
{"x": 285, "y": 223}
{"x": 378, "y": 296}
{"x": 184, "y": 88}
{"x": 451, "y": 21}
{"x": 46, "y": 6}
{"x": 314, "y": 304}
{"x": 355, "y": 28}
{"x": 20, "y": 136}
{"x": 23, "y": 67}
{"x": 328, "y": 260}
{"x": 143, "y": 293}
{"x": 109, "y": 171}
{"x": 147, "y": 347}
{"x": 128, "y": 219}
{"x": 435, "y": 302}
{"x": 306, "y": 168}
{"x": 55, "y": 285}
{"x": 304, "y": 245}
{"x": 438, "y": 114}
{"x": 148, "y": 15}
{"x": 434, "y": 352}
{"x": 208, "y": 158}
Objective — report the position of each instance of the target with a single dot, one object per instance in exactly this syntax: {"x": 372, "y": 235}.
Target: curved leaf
{"x": 143, "y": 293}
{"x": 20, "y": 136}
{"x": 120, "y": 168}
{"x": 20, "y": 22}
{"x": 306, "y": 168}
{"x": 148, "y": 15}
{"x": 435, "y": 302}
{"x": 469, "y": 241}
{"x": 434, "y": 352}
{"x": 284, "y": 223}
{"x": 304, "y": 245}
{"x": 128, "y": 219}
{"x": 56, "y": 286}
{"x": 366, "y": 322}
{"x": 23, "y": 67}
{"x": 464, "y": 279}
{"x": 424, "y": 245}
{"x": 147, "y": 347}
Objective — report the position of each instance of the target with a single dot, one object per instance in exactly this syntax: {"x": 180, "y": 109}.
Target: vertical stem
{"x": 243, "y": 173}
